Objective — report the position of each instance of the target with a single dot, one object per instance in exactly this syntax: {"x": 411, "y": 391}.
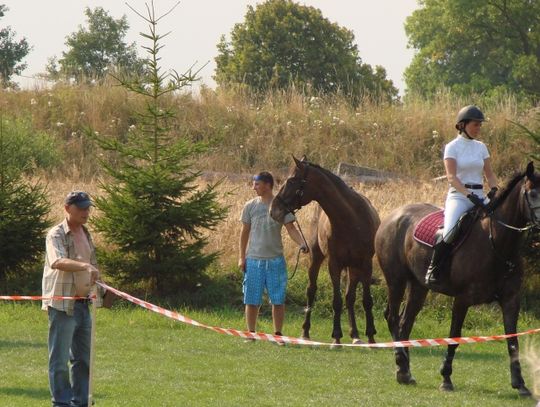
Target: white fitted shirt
{"x": 469, "y": 156}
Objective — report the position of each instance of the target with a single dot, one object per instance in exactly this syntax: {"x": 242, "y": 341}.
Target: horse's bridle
{"x": 299, "y": 193}
{"x": 534, "y": 222}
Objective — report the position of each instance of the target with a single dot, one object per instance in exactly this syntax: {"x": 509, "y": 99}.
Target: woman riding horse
{"x": 486, "y": 268}
{"x": 465, "y": 161}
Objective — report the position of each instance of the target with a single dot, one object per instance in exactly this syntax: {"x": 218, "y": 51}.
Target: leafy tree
{"x": 23, "y": 212}
{"x": 95, "y": 50}
{"x": 154, "y": 214}
{"x": 475, "y": 46}
{"x": 282, "y": 43}
{"x": 12, "y": 52}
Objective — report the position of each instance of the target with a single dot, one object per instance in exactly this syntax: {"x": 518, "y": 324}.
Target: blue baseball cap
{"x": 78, "y": 198}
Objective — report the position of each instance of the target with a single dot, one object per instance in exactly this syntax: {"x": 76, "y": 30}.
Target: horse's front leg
{"x": 313, "y": 273}
{"x": 510, "y": 309}
{"x": 337, "y": 304}
{"x": 459, "y": 312}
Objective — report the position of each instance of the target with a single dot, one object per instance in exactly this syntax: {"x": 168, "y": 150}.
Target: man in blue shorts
{"x": 261, "y": 254}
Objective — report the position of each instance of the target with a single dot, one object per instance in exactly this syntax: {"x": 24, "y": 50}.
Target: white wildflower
{"x": 59, "y": 124}
{"x": 33, "y": 101}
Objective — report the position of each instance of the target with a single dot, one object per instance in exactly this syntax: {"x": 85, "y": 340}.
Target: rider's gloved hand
{"x": 492, "y": 192}
{"x": 476, "y": 200}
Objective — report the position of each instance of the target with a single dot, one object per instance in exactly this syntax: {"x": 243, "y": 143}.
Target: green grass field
{"x": 144, "y": 359}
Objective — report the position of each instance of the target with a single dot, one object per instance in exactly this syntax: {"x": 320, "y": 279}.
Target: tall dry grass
{"x": 245, "y": 133}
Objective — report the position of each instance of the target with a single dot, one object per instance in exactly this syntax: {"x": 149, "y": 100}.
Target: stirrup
{"x": 430, "y": 279}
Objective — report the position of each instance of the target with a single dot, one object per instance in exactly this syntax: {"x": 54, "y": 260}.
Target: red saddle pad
{"x": 425, "y": 230}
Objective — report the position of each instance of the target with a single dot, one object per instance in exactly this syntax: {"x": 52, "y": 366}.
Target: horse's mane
{"x": 506, "y": 190}
{"x": 330, "y": 175}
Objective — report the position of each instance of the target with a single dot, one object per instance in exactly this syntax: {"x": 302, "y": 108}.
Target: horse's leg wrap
{"x": 446, "y": 368}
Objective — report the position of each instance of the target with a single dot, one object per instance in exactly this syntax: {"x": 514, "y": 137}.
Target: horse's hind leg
{"x": 364, "y": 275}
{"x": 396, "y": 290}
{"x": 313, "y": 272}
{"x": 415, "y": 301}
{"x": 337, "y": 304}
{"x": 459, "y": 312}
{"x": 350, "y": 299}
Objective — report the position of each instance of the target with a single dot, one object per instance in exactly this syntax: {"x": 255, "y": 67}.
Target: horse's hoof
{"x": 371, "y": 339}
{"x": 405, "y": 378}
{"x": 524, "y": 392}
{"x": 357, "y": 341}
{"x": 446, "y": 387}
{"x": 336, "y": 345}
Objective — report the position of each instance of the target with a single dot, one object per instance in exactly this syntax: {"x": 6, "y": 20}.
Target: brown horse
{"x": 487, "y": 267}
{"x": 344, "y": 232}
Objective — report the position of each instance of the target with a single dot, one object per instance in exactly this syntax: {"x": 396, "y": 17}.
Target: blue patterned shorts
{"x": 265, "y": 273}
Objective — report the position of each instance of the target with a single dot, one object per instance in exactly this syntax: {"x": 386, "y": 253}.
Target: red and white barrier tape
{"x": 300, "y": 341}
{"x": 38, "y": 297}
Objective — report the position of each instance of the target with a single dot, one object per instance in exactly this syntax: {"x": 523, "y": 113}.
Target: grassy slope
{"x": 144, "y": 359}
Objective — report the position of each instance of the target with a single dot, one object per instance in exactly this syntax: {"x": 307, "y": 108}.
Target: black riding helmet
{"x": 467, "y": 114}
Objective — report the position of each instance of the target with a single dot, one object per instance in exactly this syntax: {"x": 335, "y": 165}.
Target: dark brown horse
{"x": 344, "y": 232}
{"x": 486, "y": 267}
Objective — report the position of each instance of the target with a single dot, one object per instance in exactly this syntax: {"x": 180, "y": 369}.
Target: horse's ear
{"x": 529, "y": 172}
{"x": 304, "y": 158}
{"x": 297, "y": 161}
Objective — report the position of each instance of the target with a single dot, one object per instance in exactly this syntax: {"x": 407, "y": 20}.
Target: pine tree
{"x": 153, "y": 214}
{"x": 23, "y": 213}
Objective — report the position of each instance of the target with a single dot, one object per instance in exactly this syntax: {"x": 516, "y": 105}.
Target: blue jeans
{"x": 69, "y": 340}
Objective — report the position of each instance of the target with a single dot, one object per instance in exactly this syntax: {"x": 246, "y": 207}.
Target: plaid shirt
{"x": 60, "y": 245}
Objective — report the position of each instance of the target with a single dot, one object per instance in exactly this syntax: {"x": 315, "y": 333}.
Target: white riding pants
{"x": 456, "y": 205}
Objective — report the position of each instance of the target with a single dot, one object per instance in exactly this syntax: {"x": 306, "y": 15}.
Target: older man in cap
{"x": 70, "y": 270}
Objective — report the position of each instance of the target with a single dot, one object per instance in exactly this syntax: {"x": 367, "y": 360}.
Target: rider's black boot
{"x": 440, "y": 252}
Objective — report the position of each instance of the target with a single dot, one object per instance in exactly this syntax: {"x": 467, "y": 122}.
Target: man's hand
{"x": 242, "y": 264}
{"x": 94, "y": 273}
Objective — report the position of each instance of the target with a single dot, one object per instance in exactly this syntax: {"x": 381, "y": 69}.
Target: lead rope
{"x": 299, "y": 251}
